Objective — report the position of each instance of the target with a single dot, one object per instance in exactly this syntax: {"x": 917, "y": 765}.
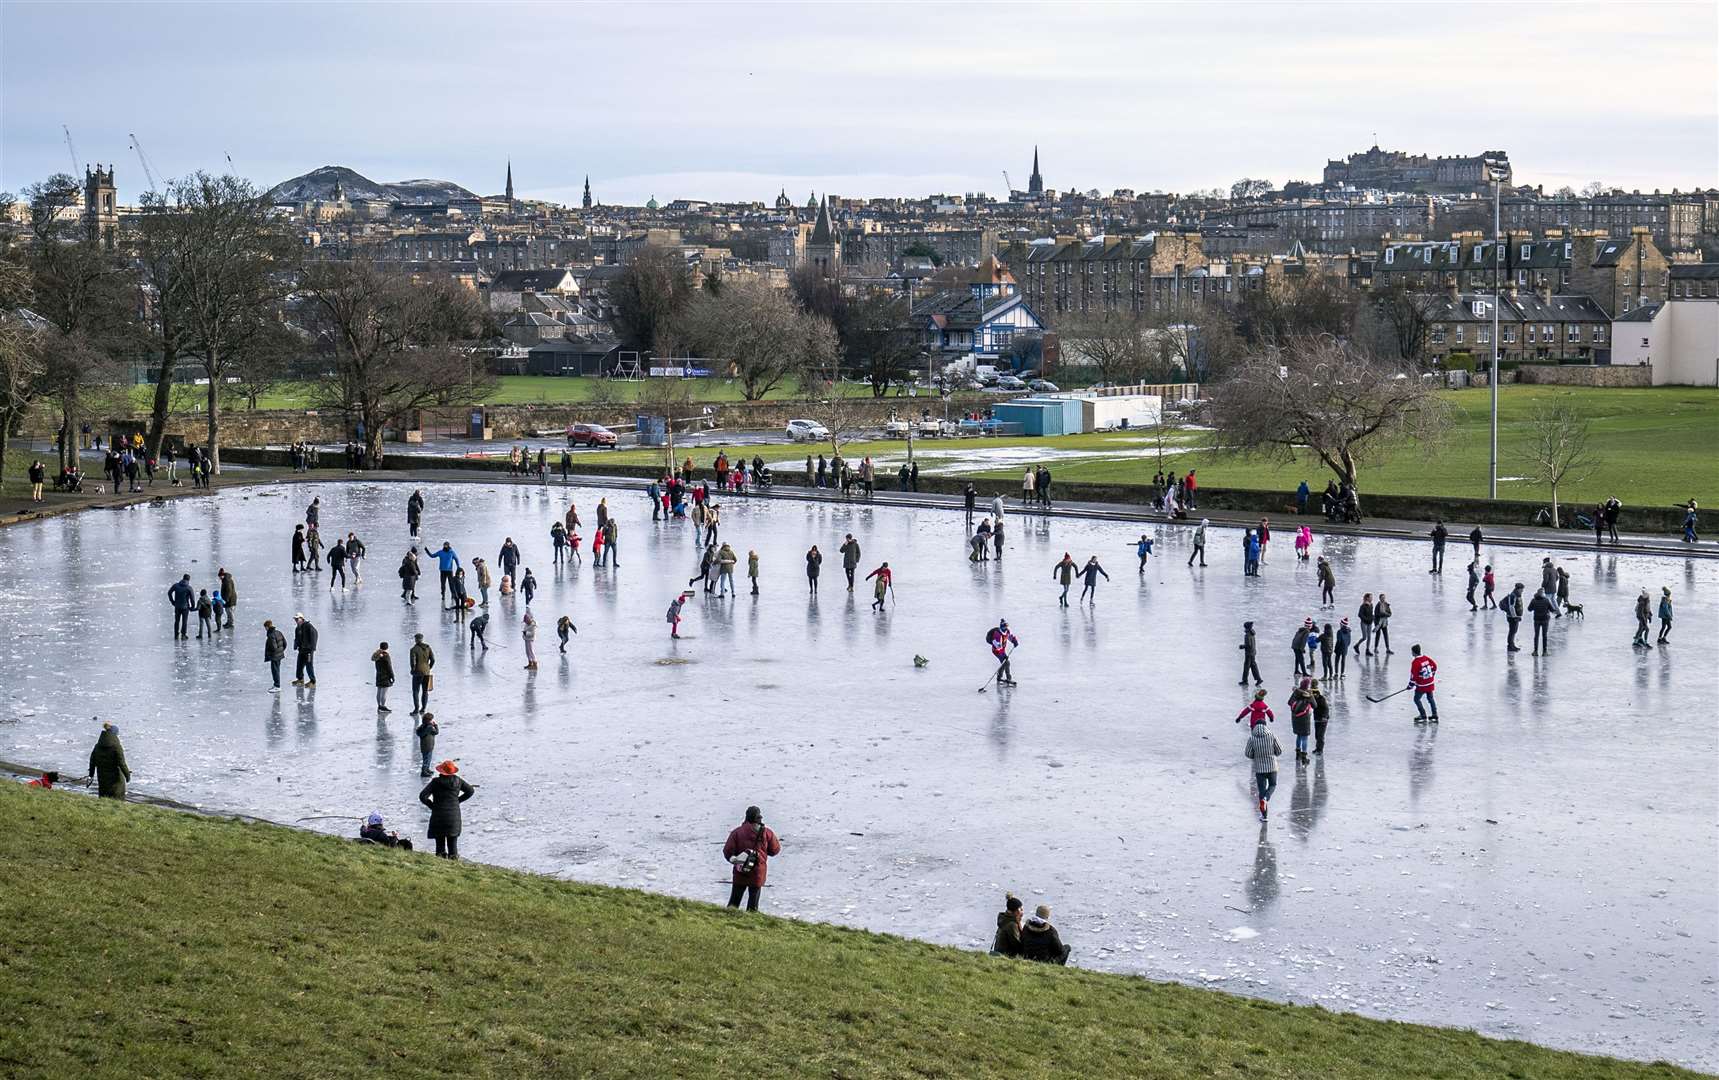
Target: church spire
{"x": 509, "y": 179}
{"x": 1036, "y": 184}
{"x": 587, "y": 201}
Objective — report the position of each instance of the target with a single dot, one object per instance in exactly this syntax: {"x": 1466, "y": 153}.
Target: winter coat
{"x": 1321, "y": 707}
{"x": 1064, "y": 571}
{"x": 1041, "y": 942}
{"x": 725, "y": 559}
{"x": 107, "y": 765}
{"x": 1541, "y": 607}
{"x": 181, "y": 596}
{"x": 1548, "y": 578}
{"x": 337, "y": 555}
{"x": 1301, "y": 712}
{"x": 1249, "y": 645}
{"x": 752, "y": 565}
{"x": 1343, "y": 636}
{"x": 229, "y": 591}
{"x": 1665, "y": 610}
{"x": 426, "y": 732}
{"x": 746, "y": 837}
{"x": 274, "y": 645}
{"x": 1327, "y": 576}
{"x": 1365, "y": 613}
{"x": 298, "y": 547}
{"x": 1298, "y": 643}
{"x": 850, "y": 554}
{"x": 484, "y": 579}
{"x": 1262, "y": 748}
{"x": 304, "y": 637}
{"x": 1643, "y": 610}
{"x": 1512, "y": 606}
{"x": 421, "y": 658}
{"x": 1008, "y": 939}
{"x": 814, "y": 560}
{"x": 384, "y": 668}
{"x": 443, "y": 796}
{"x": 1381, "y": 613}
{"x": 409, "y": 571}
{"x": 1090, "y": 572}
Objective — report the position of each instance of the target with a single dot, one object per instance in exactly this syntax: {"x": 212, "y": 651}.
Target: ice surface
{"x": 1540, "y": 866}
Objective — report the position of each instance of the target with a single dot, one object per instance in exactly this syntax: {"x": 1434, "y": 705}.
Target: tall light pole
{"x": 1496, "y": 172}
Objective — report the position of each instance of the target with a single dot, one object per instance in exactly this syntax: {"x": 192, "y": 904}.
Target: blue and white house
{"x": 977, "y": 321}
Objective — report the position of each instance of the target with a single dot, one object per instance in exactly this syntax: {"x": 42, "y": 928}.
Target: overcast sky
{"x": 739, "y": 101}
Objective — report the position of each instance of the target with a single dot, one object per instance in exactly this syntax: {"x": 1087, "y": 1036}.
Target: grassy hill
{"x": 137, "y": 942}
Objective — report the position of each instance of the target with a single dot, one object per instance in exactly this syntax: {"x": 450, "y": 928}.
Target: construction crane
{"x": 1007, "y": 184}
{"x": 143, "y": 160}
{"x": 72, "y": 149}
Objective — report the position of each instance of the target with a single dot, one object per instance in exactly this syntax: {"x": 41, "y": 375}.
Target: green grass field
{"x": 137, "y": 942}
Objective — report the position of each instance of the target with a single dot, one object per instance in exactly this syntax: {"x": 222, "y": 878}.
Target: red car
{"x": 590, "y": 435}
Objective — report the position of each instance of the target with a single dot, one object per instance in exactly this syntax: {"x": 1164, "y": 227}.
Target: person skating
{"x": 384, "y": 675}
{"x": 1040, "y": 941}
{"x": 1199, "y": 543}
{"x": 443, "y": 795}
{"x": 1340, "y": 651}
{"x": 726, "y": 560}
{"x": 1473, "y": 583}
{"x": 1262, "y": 749}
{"x": 1064, "y": 571}
{"x": 478, "y": 632}
{"x": 1382, "y": 625}
{"x": 1250, "y": 554}
{"x": 884, "y": 588}
{"x": 409, "y": 573}
{"x": 752, "y": 568}
{"x": 414, "y": 513}
{"x": 1304, "y": 543}
{"x": 1089, "y": 574}
{"x": 313, "y": 513}
{"x": 814, "y": 562}
{"x": 1321, "y": 717}
{"x": 1301, "y": 718}
{"x": 1664, "y": 616}
{"x": 304, "y": 643}
{"x": 337, "y": 564}
{"x": 274, "y": 651}
{"x": 229, "y": 593}
{"x": 1143, "y": 551}
{"x": 749, "y": 848}
{"x": 426, "y": 732}
{"x": 1327, "y": 582}
{"x": 184, "y": 601}
{"x": 1298, "y": 645}
{"x": 1007, "y": 941}
{"x": 447, "y": 560}
{"x": 1513, "y": 608}
{"x": 706, "y": 562}
{"x": 528, "y": 633}
{"x": 674, "y": 609}
{"x": 1439, "y": 533}
{"x": 1643, "y": 619}
{"x": 563, "y": 627}
{"x": 1364, "y": 614}
{"x": 1421, "y": 671}
{"x": 528, "y": 586}
{"x": 1490, "y": 581}
{"x": 313, "y": 549}
{"x": 1001, "y": 641}
{"x": 1250, "y": 655}
{"x": 421, "y": 660}
{"x": 1256, "y": 711}
{"x": 850, "y": 550}
{"x": 107, "y": 764}
{"x": 1542, "y": 608}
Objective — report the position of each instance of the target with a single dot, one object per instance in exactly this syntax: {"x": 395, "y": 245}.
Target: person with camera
{"x": 749, "y": 849}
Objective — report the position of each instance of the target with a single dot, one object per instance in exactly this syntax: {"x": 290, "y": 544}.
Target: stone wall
{"x": 1599, "y": 375}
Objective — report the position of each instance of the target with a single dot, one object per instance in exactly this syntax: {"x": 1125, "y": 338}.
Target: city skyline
{"x": 738, "y": 102}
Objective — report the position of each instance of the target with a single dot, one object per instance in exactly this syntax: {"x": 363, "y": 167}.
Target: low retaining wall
{"x": 1458, "y": 513}
{"x": 1600, "y": 375}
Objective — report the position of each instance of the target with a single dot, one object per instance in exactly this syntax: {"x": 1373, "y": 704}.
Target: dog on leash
{"x": 1574, "y": 609}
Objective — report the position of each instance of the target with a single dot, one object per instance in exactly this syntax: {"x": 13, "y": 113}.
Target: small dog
{"x": 1574, "y": 609}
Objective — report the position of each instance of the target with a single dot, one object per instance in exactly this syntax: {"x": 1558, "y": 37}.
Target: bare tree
{"x": 21, "y": 365}
{"x": 1289, "y": 307}
{"x": 1321, "y": 396}
{"x": 1396, "y": 322}
{"x": 227, "y": 263}
{"x": 844, "y": 415}
{"x": 395, "y": 345}
{"x": 1557, "y": 450}
{"x": 877, "y": 343}
{"x": 762, "y": 333}
{"x": 1247, "y": 188}
{"x": 1118, "y": 344}
{"x": 1593, "y": 188}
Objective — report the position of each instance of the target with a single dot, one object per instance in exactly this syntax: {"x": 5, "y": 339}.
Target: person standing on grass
{"x": 443, "y": 795}
{"x": 1262, "y": 749}
{"x": 384, "y": 676}
{"x": 1421, "y": 672}
{"x": 1664, "y": 616}
{"x": 107, "y": 764}
{"x": 1199, "y": 542}
{"x": 420, "y": 660}
{"x": 1643, "y": 619}
{"x": 749, "y": 849}
{"x": 1250, "y": 655}
{"x": 274, "y": 651}
{"x": 1439, "y": 534}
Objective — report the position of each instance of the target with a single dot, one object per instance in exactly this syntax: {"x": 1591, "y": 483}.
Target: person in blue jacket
{"x": 448, "y": 561}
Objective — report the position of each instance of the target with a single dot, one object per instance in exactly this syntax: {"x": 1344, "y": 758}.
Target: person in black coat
{"x": 1040, "y": 941}
{"x": 183, "y": 601}
{"x": 304, "y": 643}
{"x": 384, "y": 662}
{"x": 443, "y": 796}
{"x": 1008, "y": 939}
{"x": 107, "y": 764}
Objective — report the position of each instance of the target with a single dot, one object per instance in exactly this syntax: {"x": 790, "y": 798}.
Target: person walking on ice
{"x": 1257, "y": 712}
{"x": 1002, "y": 641}
{"x": 885, "y": 586}
{"x": 1199, "y": 543}
{"x": 674, "y": 612}
{"x": 1090, "y": 574}
{"x": 1421, "y": 671}
{"x": 563, "y": 627}
{"x": 1664, "y": 616}
{"x": 1262, "y": 749}
{"x": 1064, "y": 572}
{"x": 1643, "y": 619}
{"x": 1250, "y": 655}
{"x": 1143, "y": 551}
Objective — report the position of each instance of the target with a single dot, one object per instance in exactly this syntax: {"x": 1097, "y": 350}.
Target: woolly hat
{"x": 1309, "y": 621}
{"x": 1345, "y": 622}
{"x": 375, "y": 818}
{"x": 1259, "y": 695}
{"x": 447, "y": 768}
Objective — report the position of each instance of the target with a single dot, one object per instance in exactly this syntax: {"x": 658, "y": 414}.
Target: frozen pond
{"x": 1542, "y": 866}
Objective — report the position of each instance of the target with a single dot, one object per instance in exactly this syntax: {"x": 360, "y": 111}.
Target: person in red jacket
{"x": 1421, "y": 672}
{"x": 749, "y": 849}
{"x": 1256, "y": 711}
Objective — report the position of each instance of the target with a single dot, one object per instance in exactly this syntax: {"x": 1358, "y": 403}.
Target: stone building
{"x": 1116, "y": 273}
{"x": 1674, "y": 221}
{"x": 1393, "y": 170}
{"x": 824, "y": 246}
{"x": 101, "y": 206}
{"x": 1537, "y": 325}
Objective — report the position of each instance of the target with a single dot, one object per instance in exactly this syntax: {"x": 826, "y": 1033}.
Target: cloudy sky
{"x": 738, "y": 101}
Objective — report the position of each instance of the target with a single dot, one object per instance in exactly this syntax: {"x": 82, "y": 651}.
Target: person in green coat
{"x": 752, "y": 569}
{"x": 107, "y": 764}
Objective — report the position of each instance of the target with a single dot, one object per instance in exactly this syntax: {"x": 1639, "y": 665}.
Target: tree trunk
{"x": 214, "y": 424}
{"x": 372, "y": 439}
{"x": 1555, "y": 517}
{"x": 159, "y": 409}
{"x": 6, "y": 417}
{"x": 68, "y": 448}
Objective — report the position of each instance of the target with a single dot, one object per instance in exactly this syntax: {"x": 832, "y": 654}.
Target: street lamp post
{"x": 1496, "y": 172}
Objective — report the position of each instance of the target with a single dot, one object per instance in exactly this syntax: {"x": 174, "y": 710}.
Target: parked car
{"x": 1043, "y": 386}
{"x": 807, "y": 431}
{"x": 1010, "y": 382}
{"x": 592, "y": 435}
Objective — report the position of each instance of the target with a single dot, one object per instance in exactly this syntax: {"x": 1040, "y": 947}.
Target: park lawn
{"x": 1655, "y": 446}
{"x": 145, "y": 942}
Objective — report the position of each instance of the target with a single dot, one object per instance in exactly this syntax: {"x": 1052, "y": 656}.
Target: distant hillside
{"x": 319, "y": 184}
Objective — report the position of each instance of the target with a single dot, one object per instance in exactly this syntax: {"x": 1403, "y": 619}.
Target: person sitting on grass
{"x": 1040, "y": 941}
{"x": 1008, "y": 939}
{"x": 373, "y": 832}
